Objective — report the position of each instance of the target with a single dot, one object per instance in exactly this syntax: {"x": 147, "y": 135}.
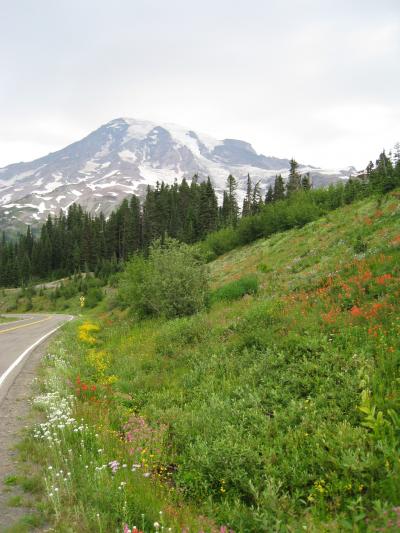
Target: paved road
{"x": 22, "y": 344}
{"x": 19, "y": 338}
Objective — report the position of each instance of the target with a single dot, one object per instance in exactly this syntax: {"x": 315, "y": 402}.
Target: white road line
{"x": 4, "y": 376}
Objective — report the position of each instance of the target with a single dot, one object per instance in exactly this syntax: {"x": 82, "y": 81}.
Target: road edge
{"x": 21, "y": 359}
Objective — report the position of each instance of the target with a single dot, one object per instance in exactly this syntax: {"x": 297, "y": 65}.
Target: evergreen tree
{"x": 185, "y": 231}
{"x": 256, "y": 200}
{"x": 224, "y": 212}
{"x": 246, "y": 209}
{"x": 396, "y": 154}
{"x": 306, "y": 182}
{"x": 208, "y": 208}
{"x": 232, "y": 208}
{"x": 151, "y": 227}
{"x": 269, "y": 197}
{"x": 279, "y": 188}
{"x": 294, "y": 179}
{"x": 24, "y": 270}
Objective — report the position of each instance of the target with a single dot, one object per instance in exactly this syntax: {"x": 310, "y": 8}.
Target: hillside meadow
{"x": 275, "y": 409}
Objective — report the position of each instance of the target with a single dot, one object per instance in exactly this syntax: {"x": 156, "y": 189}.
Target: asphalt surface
{"x": 19, "y": 338}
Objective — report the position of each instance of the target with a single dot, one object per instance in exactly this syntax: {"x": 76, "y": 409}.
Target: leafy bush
{"x": 69, "y": 290}
{"x": 221, "y": 241}
{"x": 172, "y": 282}
{"x": 236, "y": 289}
{"x": 93, "y": 297}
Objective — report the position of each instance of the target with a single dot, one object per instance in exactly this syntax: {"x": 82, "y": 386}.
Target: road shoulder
{"x": 15, "y": 410}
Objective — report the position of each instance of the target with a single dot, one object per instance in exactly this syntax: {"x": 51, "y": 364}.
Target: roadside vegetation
{"x": 270, "y": 403}
{"x": 64, "y": 298}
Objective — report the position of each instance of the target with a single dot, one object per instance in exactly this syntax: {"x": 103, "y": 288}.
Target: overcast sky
{"x": 315, "y": 79}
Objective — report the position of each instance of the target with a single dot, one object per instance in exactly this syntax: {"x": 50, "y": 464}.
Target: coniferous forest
{"x": 77, "y": 241}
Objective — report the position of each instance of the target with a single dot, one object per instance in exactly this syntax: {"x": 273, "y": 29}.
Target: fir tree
{"x": 246, "y": 209}
{"x": 306, "y": 182}
{"x": 256, "y": 200}
{"x": 231, "y": 208}
{"x": 269, "y": 197}
{"x": 279, "y": 188}
{"x": 294, "y": 178}
{"x": 208, "y": 208}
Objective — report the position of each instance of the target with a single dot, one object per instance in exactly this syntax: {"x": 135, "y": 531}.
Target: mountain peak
{"x": 121, "y": 158}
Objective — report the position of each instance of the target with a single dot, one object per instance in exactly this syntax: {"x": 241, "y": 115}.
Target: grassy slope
{"x": 16, "y": 301}
{"x": 258, "y": 401}
{"x": 64, "y": 297}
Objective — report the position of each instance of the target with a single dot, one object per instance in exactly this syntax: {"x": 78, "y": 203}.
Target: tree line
{"x": 296, "y": 203}
{"x": 77, "y": 241}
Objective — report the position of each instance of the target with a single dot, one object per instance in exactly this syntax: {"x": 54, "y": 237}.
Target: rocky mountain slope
{"x": 123, "y": 157}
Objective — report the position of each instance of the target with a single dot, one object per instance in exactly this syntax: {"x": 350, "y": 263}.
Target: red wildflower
{"x": 356, "y": 311}
{"x": 366, "y": 276}
{"x": 381, "y": 280}
{"x": 330, "y": 316}
{"x": 374, "y": 330}
{"x": 374, "y": 310}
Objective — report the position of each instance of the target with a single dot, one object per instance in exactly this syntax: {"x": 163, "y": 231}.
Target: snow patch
{"x": 127, "y": 155}
{"x": 185, "y": 138}
{"x": 106, "y": 185}
{"x": 138, "y": 129}
{"x": 89, "y": 167}
{"x": 151, "y": 175}
{"x": 112, "y": 173}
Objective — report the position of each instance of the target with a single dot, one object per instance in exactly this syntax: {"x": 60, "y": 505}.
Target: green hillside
{"x": 276, "y": 409}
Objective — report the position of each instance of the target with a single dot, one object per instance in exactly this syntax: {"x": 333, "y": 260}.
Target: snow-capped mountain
{"x": 123, "y": 157}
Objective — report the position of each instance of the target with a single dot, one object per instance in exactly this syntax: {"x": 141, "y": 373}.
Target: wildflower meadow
{"x": 276, "y": 408}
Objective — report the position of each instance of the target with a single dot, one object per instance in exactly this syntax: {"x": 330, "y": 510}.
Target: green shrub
{"x": 93, "y": 297}
{"x": 360, "y": 246}
{"x": 236, "y": 289}
{"x": 172, "y": 282}
{"x": 221, "y": 241}
{"x": 69, "y": 290}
